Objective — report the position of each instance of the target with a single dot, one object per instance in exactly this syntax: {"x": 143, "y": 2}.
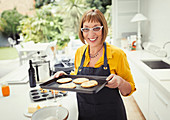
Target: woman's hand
{"x": 114, "y": 81}
{"x": 59, "y": 73}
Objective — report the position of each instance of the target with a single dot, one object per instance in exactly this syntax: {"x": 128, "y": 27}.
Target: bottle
{"x": 31, "y": 73}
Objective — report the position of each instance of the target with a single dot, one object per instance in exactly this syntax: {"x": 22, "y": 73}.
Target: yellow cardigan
{"x": 116, "y": 59}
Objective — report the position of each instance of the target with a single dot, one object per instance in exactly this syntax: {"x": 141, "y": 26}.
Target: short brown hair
{"x": 94, "y": 15}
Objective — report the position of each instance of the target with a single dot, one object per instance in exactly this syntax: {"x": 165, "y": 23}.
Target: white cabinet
{"x": 159, "y": 104}
{"x": 123, "y": 11}
{"x": 152, "y": 95}
{"x": 141, "y": 95}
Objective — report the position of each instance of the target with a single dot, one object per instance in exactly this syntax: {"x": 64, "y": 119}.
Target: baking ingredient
{"x": 33, "y": 107}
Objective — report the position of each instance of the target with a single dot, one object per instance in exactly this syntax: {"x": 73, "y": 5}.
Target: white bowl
{"x": 51, "y": 113}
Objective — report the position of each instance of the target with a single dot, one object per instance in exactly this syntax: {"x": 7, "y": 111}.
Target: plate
{"x": 27, "y": 114}
{"x": 42, "y": 105}
{"x": 51, "y": 113}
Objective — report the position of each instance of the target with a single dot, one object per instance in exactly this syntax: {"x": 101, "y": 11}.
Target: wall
{"x": 23, "y": 6}
{"x": 157, "y": 28}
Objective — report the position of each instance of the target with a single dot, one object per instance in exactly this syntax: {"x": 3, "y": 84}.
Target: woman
{"x": 100, "y": 58}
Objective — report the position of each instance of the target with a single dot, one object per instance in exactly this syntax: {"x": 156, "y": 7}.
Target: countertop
{"x": 160, "y": 77}
{"x": 14, "y": 106}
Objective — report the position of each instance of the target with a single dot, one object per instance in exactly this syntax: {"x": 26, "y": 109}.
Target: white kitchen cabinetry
{"x": 152, "y": 94}
{"x": 123, "y": 12}
{"x": 141, "y": 95}
{"x": 159, "y": 104}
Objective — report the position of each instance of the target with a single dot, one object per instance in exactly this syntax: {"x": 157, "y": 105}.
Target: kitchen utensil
{"x": 52, "y": 84}
{"x": 43, "y": 71}
{"x": 37, "y": 95}
{"x": 51, "y": 113}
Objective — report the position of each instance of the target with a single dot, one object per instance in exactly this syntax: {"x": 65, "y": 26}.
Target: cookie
{"x": 89, "y": 84}
{"x": 68, "y": 85}
{"x": 80, "y": 80}
{"x": 64, "y": 80}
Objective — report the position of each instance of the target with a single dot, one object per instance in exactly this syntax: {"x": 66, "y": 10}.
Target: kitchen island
{"x": 16, "y": 105}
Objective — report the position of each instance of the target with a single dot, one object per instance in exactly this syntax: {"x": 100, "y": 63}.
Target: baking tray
{"x": 36, "y": 95}
{"x": 52, "y": 84}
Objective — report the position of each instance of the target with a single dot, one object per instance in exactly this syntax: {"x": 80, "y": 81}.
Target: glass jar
{"x": 5, "y": 89}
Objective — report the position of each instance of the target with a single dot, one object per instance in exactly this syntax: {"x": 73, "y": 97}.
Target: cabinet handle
{"x": 156, "y": 114}
{"x": 161, "y": 98}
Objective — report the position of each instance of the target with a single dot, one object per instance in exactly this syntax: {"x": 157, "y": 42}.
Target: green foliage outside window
{"x": 99, "y": 4}
{"x": 44, "y": 27}
{"x": 40, "y": 3}
{"x": 55, "y": 21}
{"x": 72, "y": 11}
{"x": 9, "y": 20}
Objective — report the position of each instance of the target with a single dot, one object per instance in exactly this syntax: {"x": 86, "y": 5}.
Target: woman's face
{"x": 93, "y": 38}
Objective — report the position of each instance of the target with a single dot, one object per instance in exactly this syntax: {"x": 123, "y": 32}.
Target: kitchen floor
{"x": 132, "y": 109}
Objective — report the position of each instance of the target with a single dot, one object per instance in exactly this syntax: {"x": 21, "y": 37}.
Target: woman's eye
{"x": 96, "y": 29}
{"x": 86, "y": 29}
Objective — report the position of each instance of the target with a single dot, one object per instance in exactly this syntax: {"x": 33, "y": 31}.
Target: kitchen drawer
{"x": 159, "y": 105}
{"x": 154, "y": 115}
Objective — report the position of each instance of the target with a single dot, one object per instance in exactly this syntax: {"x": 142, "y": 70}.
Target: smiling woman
{"x": 7, "y": 53}
{"x": 100, "y": 58}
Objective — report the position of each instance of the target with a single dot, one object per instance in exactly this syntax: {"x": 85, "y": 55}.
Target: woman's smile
{"x": 93, "y": 38}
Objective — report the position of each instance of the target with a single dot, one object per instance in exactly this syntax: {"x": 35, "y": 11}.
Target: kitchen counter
{"x": 14, "y": 106}
{"x": 153, "y": 85}
{"x": 158, "y": 76}
{"x": 146, "y": 79}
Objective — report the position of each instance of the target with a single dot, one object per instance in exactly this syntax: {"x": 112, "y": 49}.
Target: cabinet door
{"x": 141, "y": 95}
{"x": 158, "y": 104}
{"x": 123, "y": 12}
